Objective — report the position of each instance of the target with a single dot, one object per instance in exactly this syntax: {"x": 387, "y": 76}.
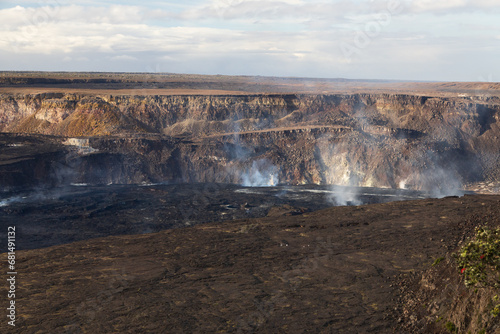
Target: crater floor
{"x": 77, "y": 212}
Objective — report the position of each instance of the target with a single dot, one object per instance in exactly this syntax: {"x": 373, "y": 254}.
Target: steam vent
{"x": 169, "y": 203}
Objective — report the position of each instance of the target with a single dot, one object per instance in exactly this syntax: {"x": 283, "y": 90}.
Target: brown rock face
{"x": 381, "y": 140}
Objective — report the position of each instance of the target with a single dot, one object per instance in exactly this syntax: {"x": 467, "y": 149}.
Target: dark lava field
{"x": 55, "y": 216}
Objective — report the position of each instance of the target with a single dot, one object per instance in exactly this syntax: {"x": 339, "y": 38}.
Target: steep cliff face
{"x": 54, "y": 113}
{"x": 382, "y": 140}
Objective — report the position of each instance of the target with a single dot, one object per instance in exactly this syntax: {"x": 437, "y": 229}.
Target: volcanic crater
{"x": 179, "y": 203}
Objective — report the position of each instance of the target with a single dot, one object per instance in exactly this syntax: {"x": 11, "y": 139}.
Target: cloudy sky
{"x": 444, "y": 40}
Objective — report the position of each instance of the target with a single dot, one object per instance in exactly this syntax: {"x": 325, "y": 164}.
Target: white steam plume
{"x": 262, "y": 173}
{"x": 347, "y": 193}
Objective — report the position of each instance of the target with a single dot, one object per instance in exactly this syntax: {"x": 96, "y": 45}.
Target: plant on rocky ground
{"x": 450, "y": 326}
{"x": 479, "y": 259}
{"x": 479, "y": 262}
{"x": 438, "y": 261}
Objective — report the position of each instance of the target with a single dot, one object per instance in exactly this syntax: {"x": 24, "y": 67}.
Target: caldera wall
{"x": 382, "y": 140}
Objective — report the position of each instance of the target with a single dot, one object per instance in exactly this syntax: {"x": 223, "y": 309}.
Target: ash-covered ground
{"x": 338, "y": 270}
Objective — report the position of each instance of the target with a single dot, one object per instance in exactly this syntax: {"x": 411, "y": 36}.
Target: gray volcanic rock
{"x": 381, "y": 140}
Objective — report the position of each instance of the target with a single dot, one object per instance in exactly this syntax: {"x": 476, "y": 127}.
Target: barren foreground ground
{"x": 336, "y": 270}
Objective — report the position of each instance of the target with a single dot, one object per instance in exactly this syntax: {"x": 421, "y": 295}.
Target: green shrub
{"x": 495, "y": 311}
{"x": 479, "y": 260}
{"x": 438, "y": 260}
{"x": 450, "y": 326}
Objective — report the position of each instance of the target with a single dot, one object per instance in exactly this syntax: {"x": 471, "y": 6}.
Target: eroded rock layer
{"x": 380, "y": 140}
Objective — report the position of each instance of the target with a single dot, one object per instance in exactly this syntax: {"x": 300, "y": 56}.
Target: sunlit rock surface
{"x": 375, "y": 140}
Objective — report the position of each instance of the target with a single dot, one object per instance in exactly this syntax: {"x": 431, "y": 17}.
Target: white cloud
{"x": 124, "y": 57}
{"x": 273, "y": 37}
{"x": 432, "y": 5}
{"x": 268, "y": 10}
{"x": 20, "y": 16}
{"x": 486, "y": 3}
{"x": 453, "y": 6}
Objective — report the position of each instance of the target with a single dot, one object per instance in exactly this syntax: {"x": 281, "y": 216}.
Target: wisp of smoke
{"x": 440, "y": 182}
{"x": 262, "y": 173}
{"x": 435, "y": 176}
{"x": 347, "y": 194}
{"x": 8, "y": 201}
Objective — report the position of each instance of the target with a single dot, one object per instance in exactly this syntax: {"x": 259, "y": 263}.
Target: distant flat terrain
{"x": 190, "y": 84}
